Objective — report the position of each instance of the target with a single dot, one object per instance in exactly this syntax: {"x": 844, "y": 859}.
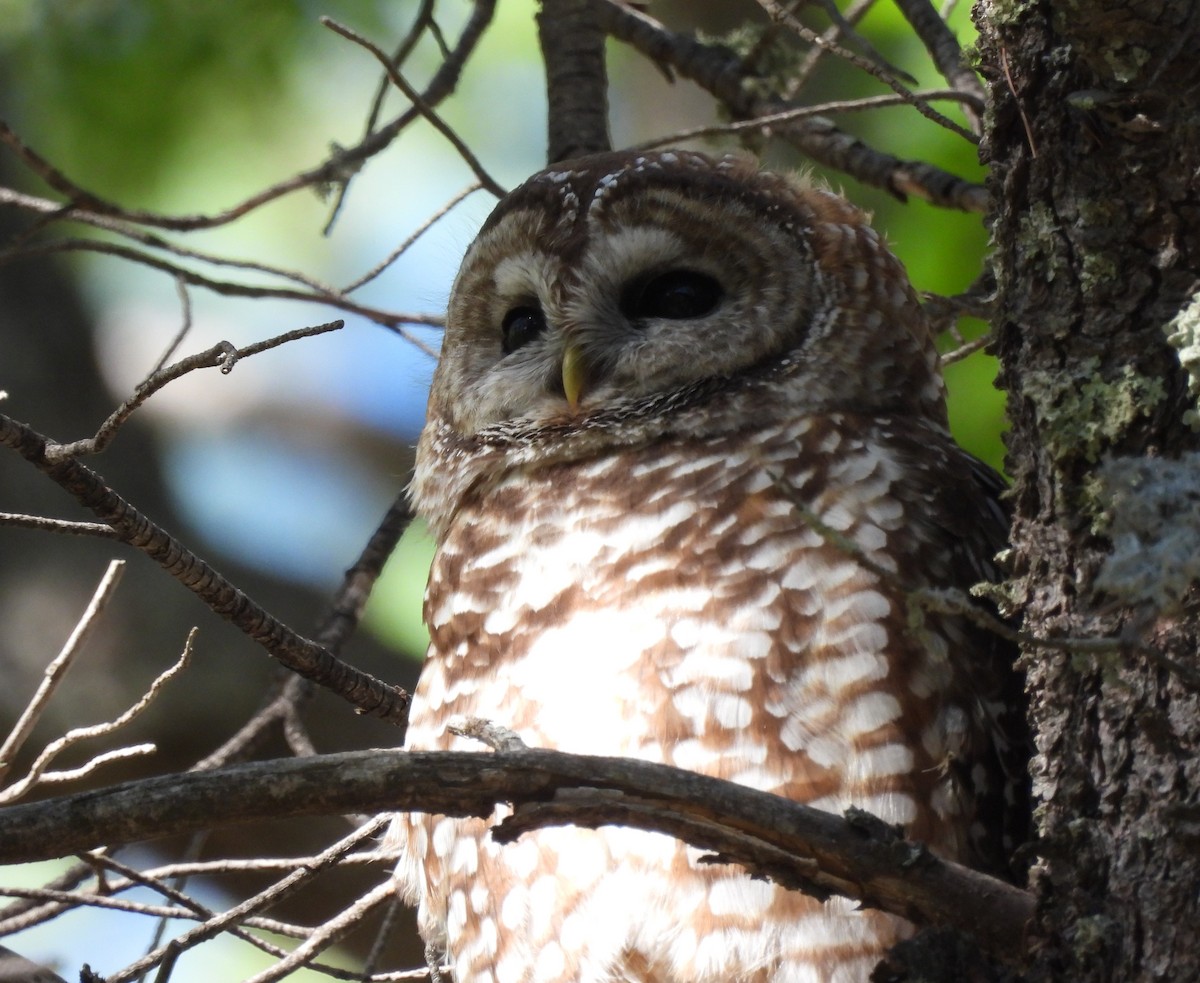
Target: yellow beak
{"x": 574, "y": 375}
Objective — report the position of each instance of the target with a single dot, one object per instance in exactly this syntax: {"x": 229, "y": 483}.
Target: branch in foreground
{"x": 59, "y": 666}
{"x": 770, "y": 836}
{"x": 946, "y": 52}
{"x": 305, "y": 657}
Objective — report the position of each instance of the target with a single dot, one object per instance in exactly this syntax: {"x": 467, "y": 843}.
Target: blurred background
{"x": 278, "y": 472}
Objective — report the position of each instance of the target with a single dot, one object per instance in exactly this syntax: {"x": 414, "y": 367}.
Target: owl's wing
{"x": 966, "y": 522}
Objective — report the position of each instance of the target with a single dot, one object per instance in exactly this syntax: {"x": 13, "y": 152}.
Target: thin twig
{"x": 946, "y": 52}
{"x": 443, "y": 83}
{"x": 400, "y": 250}
{"x": 328, "y": 933}
{"x": 222, "y": 355}
{"x": 272, "y": 895}
{"x": 131, "y": 877}
{"x": 854, "y": 13}
{"x": 781, "y": 15}
{"x": 338, "y": 169}
{"x": 44, "y": 524}
{"x": 228, "y": 288}
{"x": 151, "y": 240}
{"x": 965, "y": 349}
{"x": 419, "y": 104}
{"x": 299, "y": 654}
{"x": 185, "y": 325}
{"x": 334, "y": 628}
{"x": 57, "y": 670}
{"x": 423, "y": 19}
{"x": 37, "y": 771}
{"x": 719, "y": 72}
{"x": 786, "y": 116}
{"x": 387, "y": 928}
{"x": 291, "y": 690}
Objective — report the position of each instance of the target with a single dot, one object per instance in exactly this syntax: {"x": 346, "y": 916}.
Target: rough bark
{"x": 1094, "y": 145}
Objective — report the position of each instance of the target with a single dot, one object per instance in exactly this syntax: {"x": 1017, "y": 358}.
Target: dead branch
{"x": 333, "y": 630}
{"x": 793, "y": 844}
{"x": 781, "y": 15}
{"x": 339, "y": 168}
{"x": 781, "y": 120}
{"x": 45, "y": 524}
{"x": 229, "y": 288}
{"x": 419, "y": 104}
{"x": 718, "y": 71}
{"x": 443, "y": 83}
{"x": 947, "y": 55}
{"x": 838, "y": 29}
{"x": 401, "y": 249}
{"x": 37, "y": 774}
{"x": 328, "y": 933}
{"x": 222, "y": 355}
{"x": 58, "y": 668}
{"x": 297, "y": 653}
{"x": 572, "y": 44}
{"x": 235, "y": 915}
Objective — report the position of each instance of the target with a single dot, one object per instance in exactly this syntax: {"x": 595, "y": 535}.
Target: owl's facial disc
{"x": 598, "y": 289}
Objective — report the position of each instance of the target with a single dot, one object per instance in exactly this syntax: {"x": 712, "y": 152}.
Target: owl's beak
{"x": 574, "y": 375}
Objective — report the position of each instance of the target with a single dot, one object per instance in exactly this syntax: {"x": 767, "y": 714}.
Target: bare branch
{"x": 787, "y": 116}
{"x": 328, "y": 933}
{"x": 854, "y": 13}
{"x": 965, "y": 349}
{"x": 333, "y": 630}
{"x": 719, "y": 72}
{"x": 443, "y": 83}
{"x": 572, "y": 43}
{"x": 419, "y": 104}
{"x": 302, "y": 656}
{"x": 57, "y": 670}
{"x": 45, "y": 524}
{"x": 779, "y": 14}
{"x": 226, "y": 288}
{"x": 190, "y": 906}
{"x": 401, "y": 249}
{"x": 235, "y": 915}
{"x": 185, "y": 325}
{"x": 338, "y": 168}
{"x": 422, "y": 21}
{"x": 131, "y": 231}
{"x": 222, "y": 355}
{"x": 37, "y": 774}
{"x": 946, "y": 52}
{"x": 800, "y": 846}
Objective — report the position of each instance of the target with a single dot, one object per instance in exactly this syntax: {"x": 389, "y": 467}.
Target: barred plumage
{"x": 657, "y": 369}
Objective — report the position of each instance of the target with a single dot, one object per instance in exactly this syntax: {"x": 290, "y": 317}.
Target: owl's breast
{"x": 679, "y": 604}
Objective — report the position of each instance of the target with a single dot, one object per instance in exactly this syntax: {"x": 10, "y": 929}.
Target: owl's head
{"x": 635, "y": 292}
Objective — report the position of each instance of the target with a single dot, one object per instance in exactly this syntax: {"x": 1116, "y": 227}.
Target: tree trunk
{"x": 1094, "y": 146}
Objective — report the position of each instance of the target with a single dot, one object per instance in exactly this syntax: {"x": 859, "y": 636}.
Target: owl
{"x": 686, "y": 458}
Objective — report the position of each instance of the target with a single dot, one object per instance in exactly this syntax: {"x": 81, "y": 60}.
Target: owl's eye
{"x": 676, "y": 295}
{"x": 520, "y": 326}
